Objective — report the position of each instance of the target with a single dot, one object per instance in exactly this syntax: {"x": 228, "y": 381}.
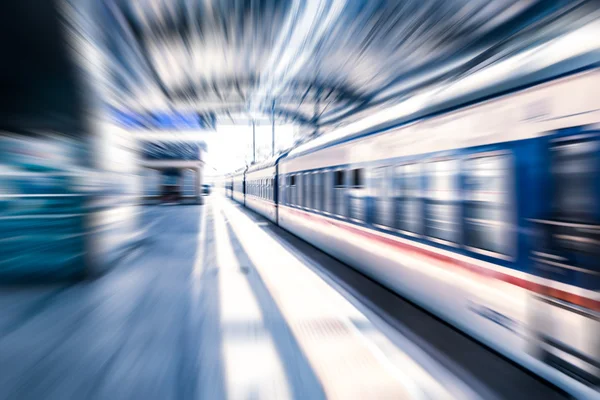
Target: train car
{"x": 228, "y": 184}
{"x": 261, "y": 188}
{"x": 487, "y": 216}
{"x": 239, "y": 186}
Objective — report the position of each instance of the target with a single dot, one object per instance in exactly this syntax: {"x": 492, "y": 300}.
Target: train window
{"x": 338, "y": 179}
{"x": 317, "y": 192}
{"x": 356, "y": 202}
{"x": 357, "y": 176}
{"x": 384, "y": 204}
{"x": 309, "y": 190}
{"x": 306, "y": 195}
{"x": 487, "y": 203}
{"x": 293, "y": 190}
{"x": 327, "y": 189}
{"x": 322, "y": 191}
{"x": 281, "y": 189}
{"x": 406, "y": 190}
{"x": 575, "y": 171}
{"x": 379, "y": 182}
{"x": 338, "y": 193}
{"x": 306, "y": 192}
{"x": 300, "y": 190}
{"x": 442, "y": 214}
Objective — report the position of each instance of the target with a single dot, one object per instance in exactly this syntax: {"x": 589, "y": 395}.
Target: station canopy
{"x": 318, "y": 63}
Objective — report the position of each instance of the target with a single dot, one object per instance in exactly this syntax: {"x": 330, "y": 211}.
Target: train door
{"x": 357, "y": 208}
{"x": 567, "y": 321}
{"x": 381, "y": 191}
{"x": 278, "y": 195}
{"x": 339, "y": 193}
{"x": 244, "y": 189}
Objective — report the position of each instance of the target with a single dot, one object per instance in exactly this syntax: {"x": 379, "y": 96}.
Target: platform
{"x": 215, "y": 306}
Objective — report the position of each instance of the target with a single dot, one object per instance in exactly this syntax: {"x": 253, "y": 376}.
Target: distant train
{"x": 487, "y": 215}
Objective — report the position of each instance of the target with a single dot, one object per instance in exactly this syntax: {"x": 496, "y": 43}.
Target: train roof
{"x": 239, "y": 171}
{"x": 503, "y": 80}
{"x": 268, "y": 162}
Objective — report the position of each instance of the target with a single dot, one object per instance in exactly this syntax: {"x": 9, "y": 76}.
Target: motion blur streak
{"x": 251, "y": 360}
{"x": 301, "y": 299}
{"x": 155, "y": 153}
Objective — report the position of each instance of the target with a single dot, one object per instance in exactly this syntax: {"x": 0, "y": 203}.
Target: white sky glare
{"x": 230, "y": 146}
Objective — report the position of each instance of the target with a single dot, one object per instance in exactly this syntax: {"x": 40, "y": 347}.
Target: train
{"x": 485, "y": 214}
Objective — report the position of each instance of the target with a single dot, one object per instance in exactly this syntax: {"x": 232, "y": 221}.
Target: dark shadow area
{"x": 303, "y": 382}
{"x": 467, "y": 358}
{"x": 39, "y": 84}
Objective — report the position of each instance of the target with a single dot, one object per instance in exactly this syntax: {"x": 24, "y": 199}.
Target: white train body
{"x": 328, "y": 195}
{"x": 260, "y": 191}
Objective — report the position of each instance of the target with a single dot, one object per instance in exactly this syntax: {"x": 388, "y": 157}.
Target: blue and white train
{"x": 486, "y": 215}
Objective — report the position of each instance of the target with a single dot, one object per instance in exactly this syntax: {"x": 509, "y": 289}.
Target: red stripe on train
{"x": 432, "y": 256}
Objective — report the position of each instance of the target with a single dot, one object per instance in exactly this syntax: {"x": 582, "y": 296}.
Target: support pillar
{"x": 199, "y": 197}
{"x": 273, "y": 129}
{"x": 253, "y": 141}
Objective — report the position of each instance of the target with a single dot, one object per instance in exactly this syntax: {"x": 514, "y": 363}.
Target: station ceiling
{"x": 316, "y": 63}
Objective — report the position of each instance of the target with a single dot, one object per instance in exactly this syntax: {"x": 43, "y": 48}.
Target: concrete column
{"x": 253, "y": 141}
{"x": 273, "y": 129}
{"x": 199, "y": 197}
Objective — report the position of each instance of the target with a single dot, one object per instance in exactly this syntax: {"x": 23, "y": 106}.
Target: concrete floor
{"x": 212, "y": 307}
